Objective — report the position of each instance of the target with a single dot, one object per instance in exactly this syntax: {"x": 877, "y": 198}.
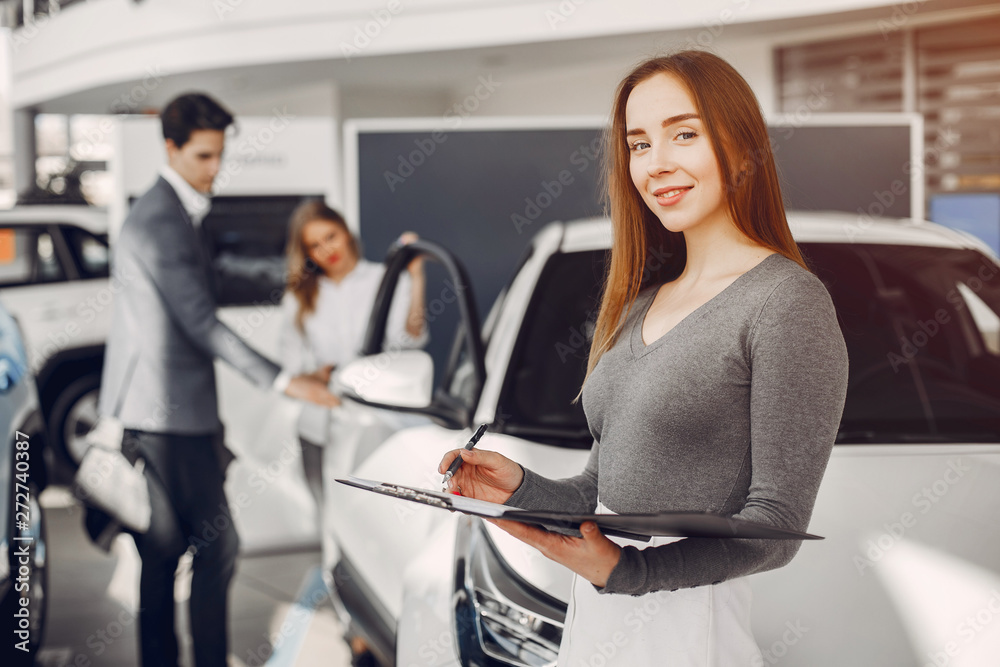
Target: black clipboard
{"x": 632, "y": 526}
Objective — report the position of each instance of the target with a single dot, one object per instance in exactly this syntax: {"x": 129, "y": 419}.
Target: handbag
{"x": 107, "y": 480}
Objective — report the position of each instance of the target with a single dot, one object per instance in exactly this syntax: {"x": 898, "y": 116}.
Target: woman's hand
{"x": 308, "y": 388}
{"x": 322, "y": 374}
{"x": 593, "y": 556}
{"x": 484, "y": 474}
{"x": 491, "y": 476}
{"x": 416, "y": 266}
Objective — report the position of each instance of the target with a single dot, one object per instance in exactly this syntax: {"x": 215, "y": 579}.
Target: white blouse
{"x": 335, "y": 331}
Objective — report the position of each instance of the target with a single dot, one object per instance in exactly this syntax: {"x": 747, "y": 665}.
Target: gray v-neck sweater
{"x": 733, "y": 411}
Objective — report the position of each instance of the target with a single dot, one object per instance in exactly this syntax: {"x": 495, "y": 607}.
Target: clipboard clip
{"x": 411, "y": 494}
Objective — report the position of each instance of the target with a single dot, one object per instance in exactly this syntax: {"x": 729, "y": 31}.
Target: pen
{"x": 457, "y": 463}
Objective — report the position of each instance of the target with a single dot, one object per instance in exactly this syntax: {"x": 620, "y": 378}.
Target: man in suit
{"x": 159, "y": 380}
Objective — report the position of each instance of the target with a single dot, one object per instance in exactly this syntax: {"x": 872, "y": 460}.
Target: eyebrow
{"x": 666, "y": 123}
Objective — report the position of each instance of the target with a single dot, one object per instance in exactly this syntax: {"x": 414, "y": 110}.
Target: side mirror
{"x": 403, "y": 380}
{"x": 400, "y": 379}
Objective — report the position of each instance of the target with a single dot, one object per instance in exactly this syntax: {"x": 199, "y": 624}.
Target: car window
{"x": 15, "y": 258}
{"x": 246, "y": 240}
{"x": 90, "y": 252}
{"x": 48, "y": 268}
{"x": 28, "y": 256}
{"x": 922, "y": 327}
{"x": 550, "y": 356}
{"x": 921, "y": 324}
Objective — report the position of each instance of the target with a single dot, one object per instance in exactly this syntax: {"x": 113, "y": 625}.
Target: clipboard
{"x": 632, "y": 526}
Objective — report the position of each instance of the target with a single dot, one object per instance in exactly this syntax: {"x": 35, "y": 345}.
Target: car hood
{"x": 410, "y": 457}
{"x": 528, "y": 562}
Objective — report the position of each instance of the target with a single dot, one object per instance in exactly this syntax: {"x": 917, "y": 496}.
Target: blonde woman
{"x": 330, "y": 293}
{"x": 716, "y": 385}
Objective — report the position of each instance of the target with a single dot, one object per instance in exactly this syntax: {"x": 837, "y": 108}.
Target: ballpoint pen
{"x": 457, "y": 463}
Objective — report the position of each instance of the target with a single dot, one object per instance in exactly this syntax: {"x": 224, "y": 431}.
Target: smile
{"x": 670, "y": 195}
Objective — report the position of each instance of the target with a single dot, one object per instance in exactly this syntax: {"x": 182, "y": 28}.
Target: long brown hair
{"x": 303, "y": 274}
{"x": 733, "y": 121}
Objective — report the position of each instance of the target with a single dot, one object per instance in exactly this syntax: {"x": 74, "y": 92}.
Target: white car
{"x": 55, "y": 281}
{"x": 54, "y": 278}
{"x": 909, "y": 572}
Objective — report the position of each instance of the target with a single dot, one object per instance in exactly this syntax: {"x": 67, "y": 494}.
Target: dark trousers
{"x": 189, "y": 509}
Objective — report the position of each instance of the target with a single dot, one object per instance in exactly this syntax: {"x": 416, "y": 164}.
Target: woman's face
{"x": 327, "y": 244}
{"x": 671, "y": 161}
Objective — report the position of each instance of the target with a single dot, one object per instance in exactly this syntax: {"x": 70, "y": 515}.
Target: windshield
{"x": 550, "y": 357}
{"x": 922, "y": 327}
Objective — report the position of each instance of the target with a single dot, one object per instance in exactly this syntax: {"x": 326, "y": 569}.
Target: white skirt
{"x": 706, "y": 626}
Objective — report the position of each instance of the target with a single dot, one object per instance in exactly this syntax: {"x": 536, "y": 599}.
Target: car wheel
{"x": 27, "y": 554}
{"x": 73, "y": 414}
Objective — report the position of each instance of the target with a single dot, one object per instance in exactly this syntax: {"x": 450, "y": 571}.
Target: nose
{"x": 661, "y": 159}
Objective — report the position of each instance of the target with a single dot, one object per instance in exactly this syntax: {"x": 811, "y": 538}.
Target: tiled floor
{"x": 279, "y": 615}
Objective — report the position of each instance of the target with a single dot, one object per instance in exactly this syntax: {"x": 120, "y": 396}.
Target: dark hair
{"x": 303, "y": 274}
{"x": 192, "y": 111}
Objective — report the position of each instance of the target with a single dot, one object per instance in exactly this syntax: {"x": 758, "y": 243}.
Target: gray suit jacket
{"x": 158, "y": 368}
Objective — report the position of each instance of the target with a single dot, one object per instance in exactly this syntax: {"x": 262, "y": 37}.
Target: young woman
{"x": 717, "y": 385}
{"x": 330, "y": 294}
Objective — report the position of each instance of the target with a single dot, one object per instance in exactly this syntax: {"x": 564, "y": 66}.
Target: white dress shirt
{"x": 196, "y": 204}
{"x": 335, "y": 331}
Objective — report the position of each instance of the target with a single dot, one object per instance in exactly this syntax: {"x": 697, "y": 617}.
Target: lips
{"x": 671, "y": 194}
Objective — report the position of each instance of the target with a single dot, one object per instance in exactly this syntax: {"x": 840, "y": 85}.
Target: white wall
{"x": 588, "y": 89}
{"x": 102, "y": 42}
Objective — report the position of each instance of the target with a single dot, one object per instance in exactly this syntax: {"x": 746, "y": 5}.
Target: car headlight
{"x": 500, "y": 619}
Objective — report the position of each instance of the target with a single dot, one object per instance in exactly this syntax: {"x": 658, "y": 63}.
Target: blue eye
{"x": 688, "y": 134}
{"x": 637, "y": 145}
